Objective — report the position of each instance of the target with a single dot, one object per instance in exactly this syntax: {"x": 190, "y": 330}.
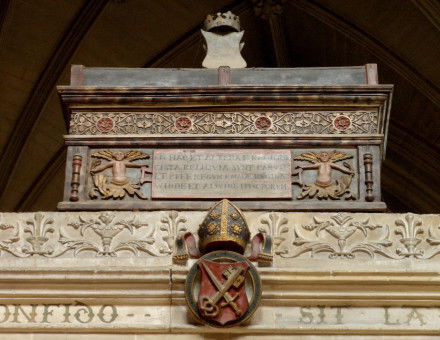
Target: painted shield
{"x": 217, "y": 289}
{"x": 223, "y": 50}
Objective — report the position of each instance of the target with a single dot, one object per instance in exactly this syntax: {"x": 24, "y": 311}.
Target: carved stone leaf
{"x": 341, "y": 227}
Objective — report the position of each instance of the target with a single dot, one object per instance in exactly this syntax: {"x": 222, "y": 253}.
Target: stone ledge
{"x": 380, "y": 290}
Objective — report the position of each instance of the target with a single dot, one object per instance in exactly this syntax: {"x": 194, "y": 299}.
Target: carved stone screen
{"x": 222, "y": 173}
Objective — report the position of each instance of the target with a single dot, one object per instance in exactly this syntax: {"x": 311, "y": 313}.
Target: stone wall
{"x": 112, "y": 272}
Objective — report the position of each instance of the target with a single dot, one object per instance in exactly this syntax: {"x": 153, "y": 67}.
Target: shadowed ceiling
{"x": 40, "y": 39}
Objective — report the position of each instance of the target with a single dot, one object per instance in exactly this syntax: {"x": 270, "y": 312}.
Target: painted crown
{"x": 224, "y": 228}
{"x": 227, "y": 19}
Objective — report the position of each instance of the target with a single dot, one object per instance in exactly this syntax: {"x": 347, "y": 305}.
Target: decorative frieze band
{"x": 152, "y": 234}
{"x": 225, "y": 123}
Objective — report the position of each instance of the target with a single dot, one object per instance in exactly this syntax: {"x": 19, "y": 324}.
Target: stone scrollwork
{"x": 342, "y": 227}
{"x": 8, "y": 239}
{"x": 433, "y": 240}
{"x": 340, "y": 236}
{"x": 30, "y": 240}
{"x": 275, "y": 225}
{"x": 107, "y": 227}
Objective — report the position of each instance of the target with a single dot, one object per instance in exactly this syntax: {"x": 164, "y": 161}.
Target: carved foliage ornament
{"x": 345, "y": 236}
{"x": 107, "y": 227}
{"x": 341, "y": 227}
{"x": 275, "y": 225}
{"x": 103, "y": 235}
{"x": 272, "y": 123}
{"x": 173, "y": 229}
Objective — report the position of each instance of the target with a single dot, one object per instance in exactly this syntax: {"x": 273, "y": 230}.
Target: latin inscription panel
{"x": 222, "y": 174}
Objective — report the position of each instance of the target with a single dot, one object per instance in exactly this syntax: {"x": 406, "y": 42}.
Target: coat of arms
{"x": 223, "y": 287}
{"x": 223, "y": 41}
{"x": 220, "y": 297}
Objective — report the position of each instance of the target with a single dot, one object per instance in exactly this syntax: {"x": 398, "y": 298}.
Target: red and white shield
{"x": 222, "y": 296}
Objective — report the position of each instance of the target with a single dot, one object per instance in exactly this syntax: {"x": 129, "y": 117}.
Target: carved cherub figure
{"x": 324, "y": 163}
{"x": 118, "y": 185}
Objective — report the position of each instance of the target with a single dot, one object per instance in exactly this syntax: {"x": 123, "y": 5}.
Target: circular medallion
{"x": 342, "y": 122}
{"x": 183, "y": 123}
{"x": 263, "y": 123}
{"x": 104, "y": 124}
{"x": 223, "y": 289}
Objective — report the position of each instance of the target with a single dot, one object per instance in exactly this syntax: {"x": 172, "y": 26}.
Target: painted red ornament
{"x": 104, "y": 124}
{"x": 342, "y": 122}
{"x": 217, "y": 286}
{"x": 263, "y": 123}
{"x": 183, "y": 123}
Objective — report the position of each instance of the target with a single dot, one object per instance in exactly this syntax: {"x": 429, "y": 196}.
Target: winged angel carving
{"x": 118, "y": 185}
{"x": 324, "y": 187}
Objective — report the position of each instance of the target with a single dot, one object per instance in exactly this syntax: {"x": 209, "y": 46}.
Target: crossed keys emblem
{"x": 215, "y": 289}
{"x": 209, "y": 305}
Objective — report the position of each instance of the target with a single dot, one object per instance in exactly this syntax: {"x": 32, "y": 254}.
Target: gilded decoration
{"x": 224, "y": 223}
{"x": 324, "y": 187}
{"x": 118, "y": 184}
{"x": 272, "y": 123}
